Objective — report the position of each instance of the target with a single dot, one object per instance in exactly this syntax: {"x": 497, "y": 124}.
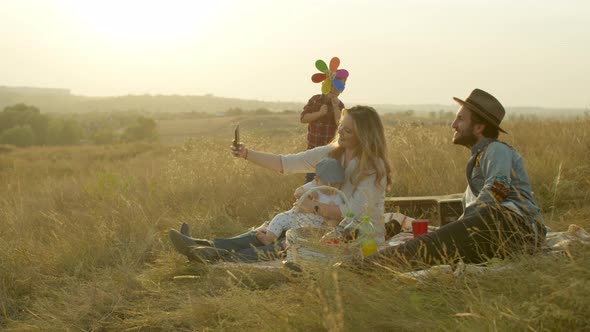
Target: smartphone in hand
{"x": 236, "y": 141}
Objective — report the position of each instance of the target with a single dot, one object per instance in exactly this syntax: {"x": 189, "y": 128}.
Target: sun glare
{"x": 141, "y": 22}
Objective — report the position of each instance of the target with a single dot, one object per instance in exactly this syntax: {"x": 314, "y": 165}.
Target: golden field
{"x": 84, "y": 247}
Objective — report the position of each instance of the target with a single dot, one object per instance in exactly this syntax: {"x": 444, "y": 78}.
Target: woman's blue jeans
{"x": 247, "y": 248}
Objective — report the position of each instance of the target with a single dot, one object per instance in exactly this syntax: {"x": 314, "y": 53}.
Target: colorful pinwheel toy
{"x": 330, "y": 76}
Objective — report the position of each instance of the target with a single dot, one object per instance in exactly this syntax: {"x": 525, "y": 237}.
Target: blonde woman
{"x": 359, "y": 146}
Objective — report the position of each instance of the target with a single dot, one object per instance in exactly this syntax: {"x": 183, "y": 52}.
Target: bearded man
{"x": 500, "y": 215}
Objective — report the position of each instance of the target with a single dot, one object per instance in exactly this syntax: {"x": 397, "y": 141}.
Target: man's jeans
{"x": 480, "y": 234}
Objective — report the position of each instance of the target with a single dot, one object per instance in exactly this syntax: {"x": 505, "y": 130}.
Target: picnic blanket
{"x": 556, "y": 243}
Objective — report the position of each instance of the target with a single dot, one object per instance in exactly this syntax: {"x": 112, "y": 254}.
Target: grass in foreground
{"x": 83, "y": 244}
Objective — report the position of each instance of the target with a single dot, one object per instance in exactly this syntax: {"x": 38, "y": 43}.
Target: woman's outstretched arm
{"x": 266, "y": 160}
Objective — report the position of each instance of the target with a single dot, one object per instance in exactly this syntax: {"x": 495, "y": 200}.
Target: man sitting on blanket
{"x": 501, "y": 216}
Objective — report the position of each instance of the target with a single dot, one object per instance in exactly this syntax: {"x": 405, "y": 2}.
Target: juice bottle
{"x": 348, "y": 220}
{"x": 348, "y": 227}
{"x": 342, "y": 231}
{"x": 366, "y": 236}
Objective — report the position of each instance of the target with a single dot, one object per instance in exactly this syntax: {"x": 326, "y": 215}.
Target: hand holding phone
{"x": 237, "y": 148}
{"x": 236, "y": 141}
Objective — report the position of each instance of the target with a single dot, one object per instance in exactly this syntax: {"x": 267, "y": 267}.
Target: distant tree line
{"x": 235, "y": 111}
{"x": 442, "y": 115}
{"x": 24, "y": 125}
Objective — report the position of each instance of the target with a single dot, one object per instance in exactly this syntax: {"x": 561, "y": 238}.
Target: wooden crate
{"x": 440, "y": 210}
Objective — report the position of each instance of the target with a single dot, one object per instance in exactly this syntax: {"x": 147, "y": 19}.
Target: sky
{"x": 525, "y": 52}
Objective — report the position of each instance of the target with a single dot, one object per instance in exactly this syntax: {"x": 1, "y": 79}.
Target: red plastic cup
{"x": 419, "y": 227}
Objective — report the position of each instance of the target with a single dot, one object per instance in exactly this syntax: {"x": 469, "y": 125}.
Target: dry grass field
{"x": 84, "y": 247}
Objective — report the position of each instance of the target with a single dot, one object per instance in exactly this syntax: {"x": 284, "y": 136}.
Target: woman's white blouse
{"x": 367, "y": 199}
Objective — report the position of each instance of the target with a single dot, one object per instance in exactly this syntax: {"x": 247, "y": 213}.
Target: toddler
{"x": 329, "y": 172}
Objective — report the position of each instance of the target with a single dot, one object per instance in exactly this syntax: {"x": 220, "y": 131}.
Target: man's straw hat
{"x": 485, "y": 105}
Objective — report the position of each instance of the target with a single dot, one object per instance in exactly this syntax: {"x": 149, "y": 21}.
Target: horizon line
{"x": 212, "y": 95}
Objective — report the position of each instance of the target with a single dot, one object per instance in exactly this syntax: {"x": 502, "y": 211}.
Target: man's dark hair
{"x": 489, "y": 131}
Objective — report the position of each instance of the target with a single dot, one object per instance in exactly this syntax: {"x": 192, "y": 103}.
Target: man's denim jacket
{"x": 496, "y": 176}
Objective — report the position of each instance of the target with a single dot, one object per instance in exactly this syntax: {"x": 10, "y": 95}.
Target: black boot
{"x": 189, "y": 241}
{"x": 184, "y": 229}
{"x": 179, "y": 241}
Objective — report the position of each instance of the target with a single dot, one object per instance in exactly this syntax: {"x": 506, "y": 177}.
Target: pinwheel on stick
{"x": 330, "y": 76}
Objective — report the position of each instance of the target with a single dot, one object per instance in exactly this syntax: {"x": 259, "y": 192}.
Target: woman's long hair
{"x": 371, "y": 149}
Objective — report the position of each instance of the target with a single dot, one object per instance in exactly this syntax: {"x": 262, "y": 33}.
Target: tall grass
{"x": 83, "y": 242}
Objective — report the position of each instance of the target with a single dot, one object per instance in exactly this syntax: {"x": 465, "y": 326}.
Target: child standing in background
{"x": 322, "y": 112}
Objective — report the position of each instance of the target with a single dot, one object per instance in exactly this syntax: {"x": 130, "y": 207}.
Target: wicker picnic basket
{"x": 304, "y": 245}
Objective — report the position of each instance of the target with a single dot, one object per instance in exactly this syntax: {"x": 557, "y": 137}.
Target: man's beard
{"x": 465, "y": 138}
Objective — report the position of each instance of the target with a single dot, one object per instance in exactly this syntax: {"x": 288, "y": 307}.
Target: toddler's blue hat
{"x": 329, "y": 170}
